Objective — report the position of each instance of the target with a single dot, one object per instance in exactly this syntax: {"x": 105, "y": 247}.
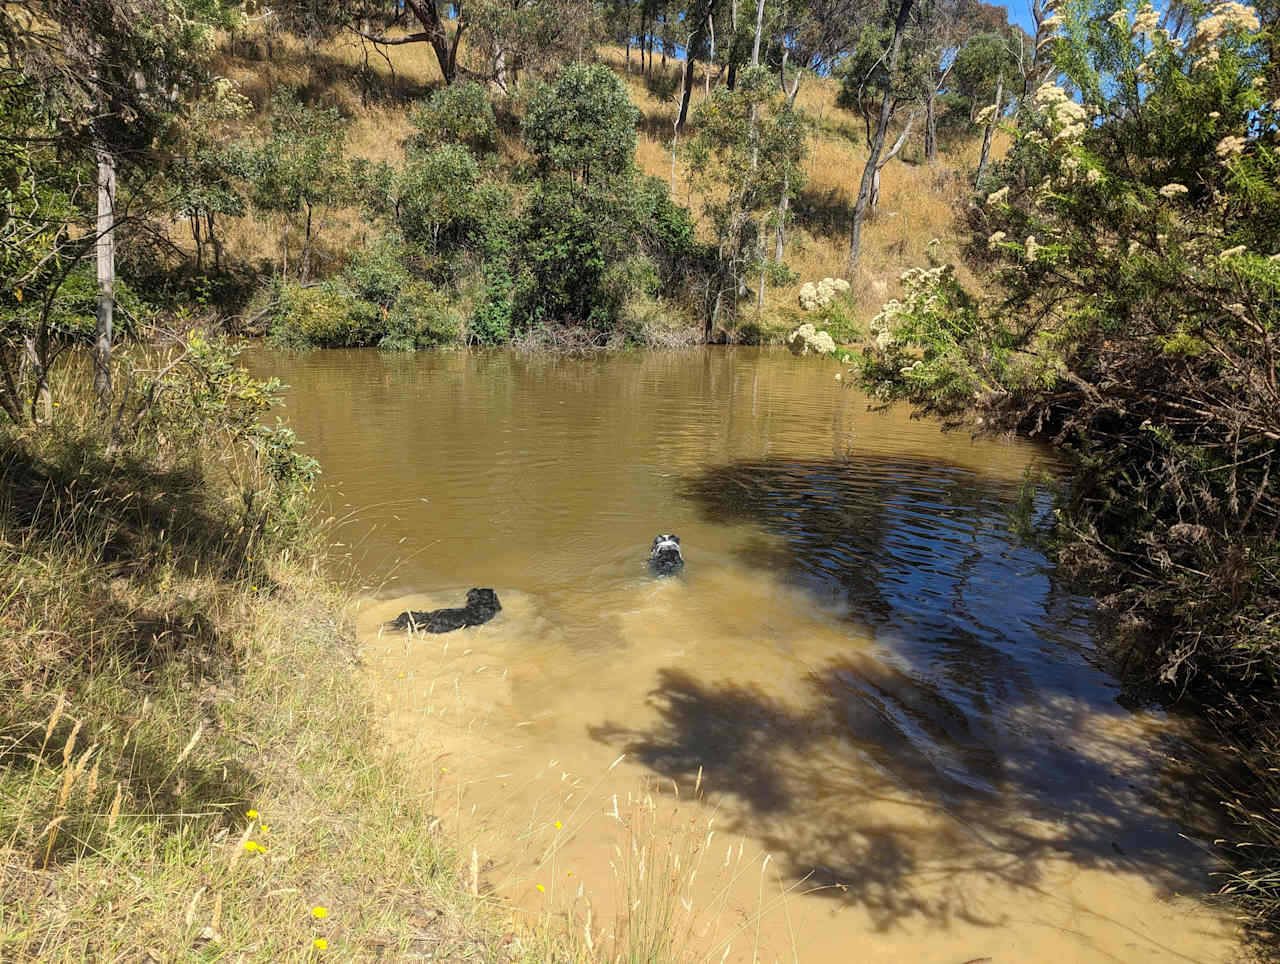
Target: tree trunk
{"x": 732, "y": 80}
{"x": 305, "y": 267}
{"x": 755, "y": 49}
{"x": 892, "y": 153}
{"x": 500, "y": 69}
{"x": 760, "y": 290}
{"x": 214, "y": 242}
{"x": 877, "y": 143}
{"x": 701, "y": 15}
{"x": 711, "y": 54}
{"x": 785, "y": 201}
{"x": 626, "y": 35}
{"x": 991, "y": 126}
{"x": 41, "y": 400}
{"x": 783, "y": 204}
{"x": 446, "y": 48}
{"x": 644, "y": 33}
{"x": 195, "y": 236}
{"x": 105, "y": 248}
{"x": 931, "y": 127}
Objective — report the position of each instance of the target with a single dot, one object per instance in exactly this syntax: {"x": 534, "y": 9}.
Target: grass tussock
{"x": 189, "y": 764}
{"x": 675, "y": 880}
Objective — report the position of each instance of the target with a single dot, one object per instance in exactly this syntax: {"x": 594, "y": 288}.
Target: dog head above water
{"x": 483, "y": 603}
{"x": 665, "y": 559}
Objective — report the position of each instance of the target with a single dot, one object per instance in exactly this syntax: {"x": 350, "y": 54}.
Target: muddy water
{"x": 862, "y": 726}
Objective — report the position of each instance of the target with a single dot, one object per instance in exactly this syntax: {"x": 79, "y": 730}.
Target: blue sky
{"x": 1019, "y": 12}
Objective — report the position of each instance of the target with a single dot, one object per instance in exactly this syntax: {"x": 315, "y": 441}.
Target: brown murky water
{"x": 861, "y": 726}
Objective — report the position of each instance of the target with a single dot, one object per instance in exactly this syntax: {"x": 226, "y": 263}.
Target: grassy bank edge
{"x": 190, "y": 761}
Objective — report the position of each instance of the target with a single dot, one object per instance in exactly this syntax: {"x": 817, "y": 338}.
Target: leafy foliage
{"x": 459, "y": 114}
{"x": 584, "y": 125}
{"x": 748, "y": 146}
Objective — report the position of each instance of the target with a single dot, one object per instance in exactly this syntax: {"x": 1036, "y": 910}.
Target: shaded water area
{"x": 877, "y": 696}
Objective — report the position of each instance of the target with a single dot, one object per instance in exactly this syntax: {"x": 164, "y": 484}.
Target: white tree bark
{"x": 105, "y": 249}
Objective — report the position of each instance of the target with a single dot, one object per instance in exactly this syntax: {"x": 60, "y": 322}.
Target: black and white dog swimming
{"x": 482, "y": 605}
{"x": 665, "y": 559}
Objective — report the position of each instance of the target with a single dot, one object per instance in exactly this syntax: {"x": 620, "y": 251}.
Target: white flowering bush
{"x": 806, "y": 339}
{"x": 816, "y": 296}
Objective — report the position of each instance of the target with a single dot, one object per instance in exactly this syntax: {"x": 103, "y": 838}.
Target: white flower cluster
{"x": 806, "y": 339}
{"x": 1032, "y": 247}
{"x": 1229, "y": 147}
{"x": 1065, "y": 115}
{"x": 228, "y": 102}
{"x": 820, "y": 295}
{"x": 1224, "y": 18}
{"x": 1145, "y": 20}
{"x": 996, "y": 239}
{"x": 922, "y": 286}
{"x": 1171, "y": 191}
{"x": 998, "y": 197}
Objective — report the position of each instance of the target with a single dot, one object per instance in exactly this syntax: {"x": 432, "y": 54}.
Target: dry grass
{"x": 918, "y": 202}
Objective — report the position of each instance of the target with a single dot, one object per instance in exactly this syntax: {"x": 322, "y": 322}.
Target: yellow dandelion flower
{"x": 264, "y": 828}
{"x": 541, "y": 889}
{"x": 251, "y": 814}
{"x": 559, "y": 825}
{"x": 320, "y": 944}
{"x": 319, "y": 913}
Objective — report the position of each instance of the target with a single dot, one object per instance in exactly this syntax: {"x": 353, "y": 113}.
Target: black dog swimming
{"x": 482, "y": 605}
{"x": 666, "y": 559}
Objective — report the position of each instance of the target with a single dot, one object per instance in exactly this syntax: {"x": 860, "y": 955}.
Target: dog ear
{"x": 674, "y": 538}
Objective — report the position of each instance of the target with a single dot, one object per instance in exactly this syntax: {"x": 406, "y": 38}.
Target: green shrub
{"x": 74, "y": 310}
{"x": 326, "y": 316}
{"x": 378, "y": 273}
{"x": 584, "y": 126}
{"x": 491, "y": 324}
{"x": 778, "y": 274}
{"x": 633, "y": 277}
{"x": 562, "y": 264}
{"x": 423, "y": 317}
{"x": 457, "y": 114}
{"x": 435, "y": 195}
{"x": 839, "y": 319}
{"x": 665, "y": 229}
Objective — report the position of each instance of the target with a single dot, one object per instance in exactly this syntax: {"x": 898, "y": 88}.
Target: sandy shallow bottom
{"x": 703, "y": 763}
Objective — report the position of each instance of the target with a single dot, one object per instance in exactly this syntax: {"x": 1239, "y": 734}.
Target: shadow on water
{"x": 972, "y": 736}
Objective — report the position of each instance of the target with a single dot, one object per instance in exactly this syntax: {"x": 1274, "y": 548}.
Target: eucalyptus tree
{"x": 106, "y": 76}
{"x": 809, "y": 37}
{"x": 299, "y": 167}
{"x": 873, "y": 73}
{"x": 747, "y": 143}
